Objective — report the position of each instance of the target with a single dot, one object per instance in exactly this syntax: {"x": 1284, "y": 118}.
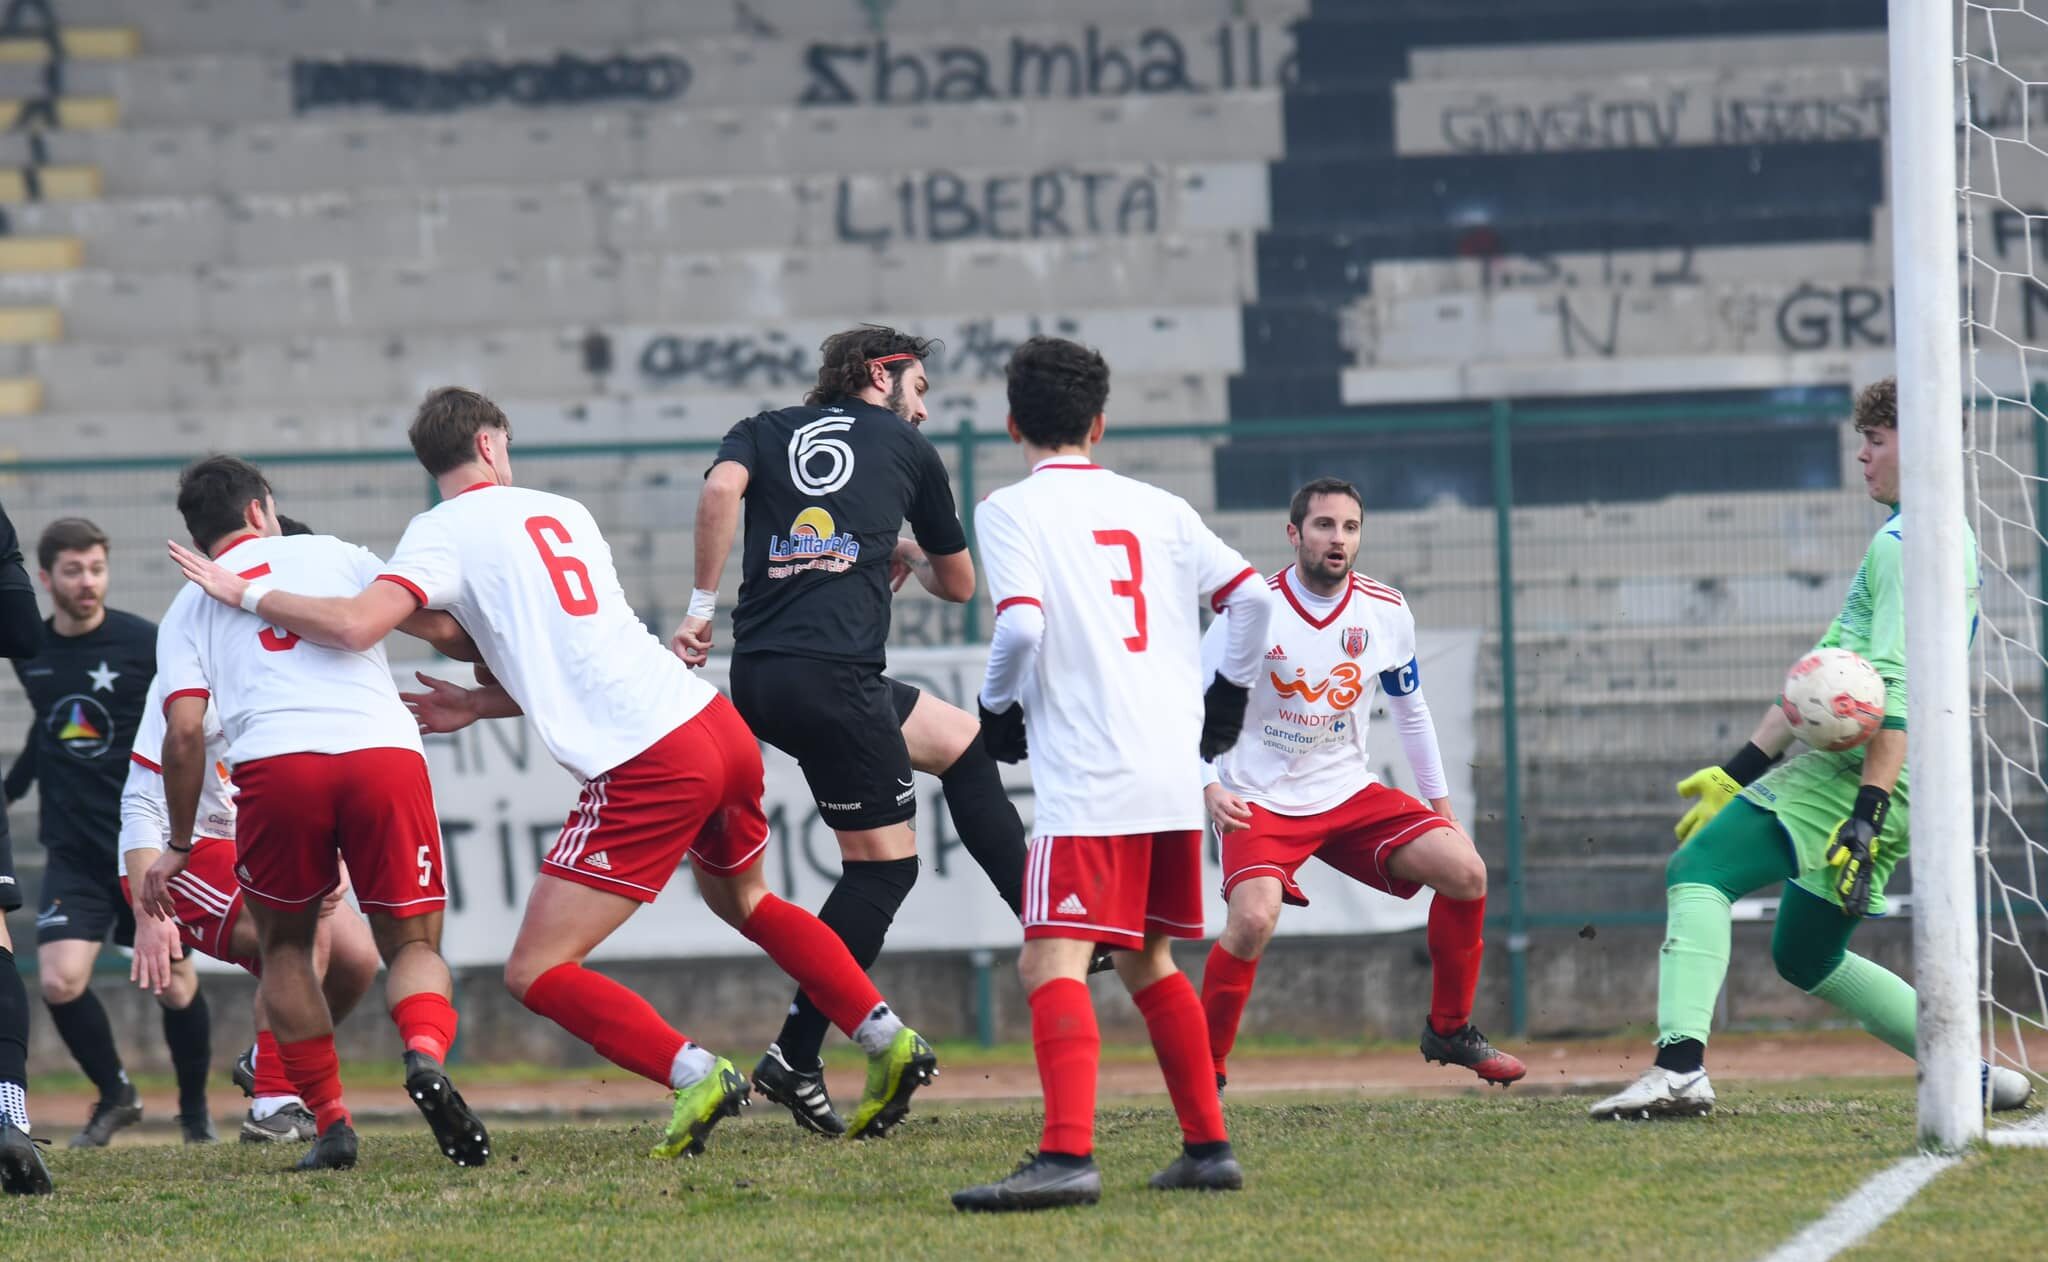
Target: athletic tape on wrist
{"x": 253, "y": 595}
{"x": 703, "y": 604}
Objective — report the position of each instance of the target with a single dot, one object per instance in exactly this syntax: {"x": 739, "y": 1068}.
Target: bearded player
{"x": 1298, "y": 784}
{"x": 668, "y": 768}
{"x": 1831, "y": 826}
{"x": 1095, "y": 674}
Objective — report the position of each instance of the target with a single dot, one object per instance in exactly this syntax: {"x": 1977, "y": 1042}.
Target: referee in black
{"x": 87, "y": 685}
{"x": 828, "y": 487}
{"x": 22, "y": 1172}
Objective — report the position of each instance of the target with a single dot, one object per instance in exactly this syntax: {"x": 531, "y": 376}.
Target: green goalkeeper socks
{"x": 1693, "y": 962}
{"x": 1878, "y": 998}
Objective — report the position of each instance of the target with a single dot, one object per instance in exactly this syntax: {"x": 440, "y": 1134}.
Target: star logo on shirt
{"x": 103, "y": 678}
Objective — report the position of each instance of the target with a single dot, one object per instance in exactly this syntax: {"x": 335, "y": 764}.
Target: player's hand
{"x": 484, "y": 677}
{"x": 443, "y": 707}
{"x": 1710, "y": 789}
{"x": 156, "y": 945}
{"x": 1002, "y": 732}
{"x": 213, "y": 578}
{"x": 692, "y": 641}
{"x": 1222, "y": 716}
{"x": 1229, "y": 812}
{"x": 156, "y": 884}
{"x": 1852, "y": 851}
{"x": 338, "y": 893}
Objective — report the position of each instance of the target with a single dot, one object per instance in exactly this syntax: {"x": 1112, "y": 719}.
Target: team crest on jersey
{"x": 1354, "y": 641}
{"x": 81, "y": 725}
{"x": 813, "y": 543}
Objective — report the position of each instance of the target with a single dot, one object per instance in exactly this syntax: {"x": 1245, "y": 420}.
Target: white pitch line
{"x": 2032, "y": 1133}
{"x": 1862, "y": 1211}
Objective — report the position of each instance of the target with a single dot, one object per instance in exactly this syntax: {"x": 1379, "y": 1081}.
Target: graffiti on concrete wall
{"x": 407, "y": 88}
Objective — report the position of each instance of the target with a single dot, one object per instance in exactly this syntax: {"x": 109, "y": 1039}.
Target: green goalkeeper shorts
{"x": 1811, "y": 795}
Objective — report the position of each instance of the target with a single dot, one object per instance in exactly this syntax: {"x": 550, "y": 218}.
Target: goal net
{"x": 2002, "y": 164}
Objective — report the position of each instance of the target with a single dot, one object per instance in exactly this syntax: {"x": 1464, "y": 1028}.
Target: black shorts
{"x": 82, "y": 901}
{"x": 10, "y": 889}
{"x": 843, "y": 723}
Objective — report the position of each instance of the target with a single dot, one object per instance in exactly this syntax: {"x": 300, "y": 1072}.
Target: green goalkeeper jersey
{"x": 1814, "y": 791}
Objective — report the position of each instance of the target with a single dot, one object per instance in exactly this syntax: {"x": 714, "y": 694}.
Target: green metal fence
{"x": 1641, "y": 576}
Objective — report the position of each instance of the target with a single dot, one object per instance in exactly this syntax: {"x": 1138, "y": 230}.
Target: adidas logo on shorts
{"x": 1070, "y": 906}
{"x": 599, "y": 860}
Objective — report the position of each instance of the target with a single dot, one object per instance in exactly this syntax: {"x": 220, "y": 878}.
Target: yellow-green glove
{"x": 1710, "y": 789}
{"x": 1852, "y": 851}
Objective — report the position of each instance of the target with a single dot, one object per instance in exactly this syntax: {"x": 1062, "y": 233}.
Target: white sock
{"x": 14, "y": 1104}
{"x": 692, "y": 1065}
{"x": 264, "y": 1107}
{"x": 877, "y": 1030}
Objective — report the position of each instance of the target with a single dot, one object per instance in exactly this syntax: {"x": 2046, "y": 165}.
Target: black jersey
{"x": 21, "y": 635}
{"x": 87, "y": 693}
{"x": 828, "y": 492}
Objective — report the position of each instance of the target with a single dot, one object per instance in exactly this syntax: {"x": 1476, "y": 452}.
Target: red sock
{"x": 1180, "y": 1039}
{"x": 816, "y": 959}
{"x": 426, "y": 1021}
{"x": 1069, "y": 1049}
{"x": 271, "y": 1079}
{"x": 1226, "y": 985}
{"x": 624, "y": 1028}
{"x": 1456, "y": 945}
{"x": 315, "y": 1075}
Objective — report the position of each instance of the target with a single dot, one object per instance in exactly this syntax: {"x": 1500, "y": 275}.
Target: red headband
{"x": 890, "y": 359}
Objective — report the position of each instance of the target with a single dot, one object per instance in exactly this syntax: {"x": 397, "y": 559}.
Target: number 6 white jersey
{"x": 530, "y": 577}
{"x": 277, "y": 693}
{"x": 1113, "y": 706}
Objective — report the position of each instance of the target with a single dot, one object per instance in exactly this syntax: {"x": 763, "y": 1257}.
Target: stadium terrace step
{"x": 743, "y": 287}
{"x": 444, "y": 222}
{"x": 385, "y": 152}
{"x": 363, "y": 26}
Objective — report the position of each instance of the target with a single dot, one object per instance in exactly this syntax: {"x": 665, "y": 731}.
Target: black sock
{"x": 13, "y": 1036}
{"x": 188, "y": 1032}
{"x": 859, "y": 909}
{"x": 1686, "y": 1056}
{"x": 987, "y": 821}
{"x": 83, "y": 1025}
{"x": 1209, "y": 1148}
{"x": 1067, "y": 1160}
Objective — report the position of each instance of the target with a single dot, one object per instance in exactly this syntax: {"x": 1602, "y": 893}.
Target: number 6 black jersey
{"x": 828, "y": 491}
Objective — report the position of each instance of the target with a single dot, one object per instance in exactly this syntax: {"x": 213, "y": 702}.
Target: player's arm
{"x": 1417, "y": 730}
{"x": 718, "y": 519}
{"x": 1853, "y": 848}
{"x": 949, "y": 575}
{"x": 938, "y": 553}
{"x": 145, "y": 823}
{"x": 21, "y": 623}
{"x": 23, "y": 773}
{"x": 184, "y": 771}
{"x": 440, "y": 629}
{"x": 447, "y": 707}
{"x": 1244, "y": 605}
{"x": 1015, "y": 582}
{"x": 1227, "y": 810}
{"x": 352, "y": 623}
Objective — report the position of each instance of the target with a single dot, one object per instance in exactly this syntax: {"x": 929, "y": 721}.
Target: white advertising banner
{"x": 502, "y": 800}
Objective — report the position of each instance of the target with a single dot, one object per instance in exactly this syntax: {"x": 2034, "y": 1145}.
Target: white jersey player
{"x": 1299, "y": 784}
{"x": 1098, "y": 580}
{"x": 208, "y": 915}
{"x": 668, "y": 769}
{"x": 328, "y": 769}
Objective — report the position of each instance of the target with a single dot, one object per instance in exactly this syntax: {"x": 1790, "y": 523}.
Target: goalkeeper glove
{"x": 1852, "y": 851}
{"x": 1711, "y": 788}
{"x": 1222, "y": 716}
{"x": 1002, "y": 733}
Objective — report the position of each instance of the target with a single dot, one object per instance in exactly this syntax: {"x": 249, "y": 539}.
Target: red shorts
{"x": 696, "y": 792}
{"x": 299, "y": 815}
{"x": 208, "y": 900}
{"x": 1357, "y": 837}
{"x": 1114, "y": 890}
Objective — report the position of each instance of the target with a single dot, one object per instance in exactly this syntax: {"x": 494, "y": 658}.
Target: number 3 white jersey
{"x": 145, "y": 816}
{"x": 276, "y": 693}
{"x": 1113, "y": 705}
{"x": 531, "y": 579}
{"x": 1303, "y": 748}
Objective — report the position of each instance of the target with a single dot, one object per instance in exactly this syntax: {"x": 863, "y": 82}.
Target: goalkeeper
{"x": 1832, "y": 826}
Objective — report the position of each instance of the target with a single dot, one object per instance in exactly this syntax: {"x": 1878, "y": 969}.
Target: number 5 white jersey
{"x": 531, "y": 579}
{"x": 1113, "y": 705}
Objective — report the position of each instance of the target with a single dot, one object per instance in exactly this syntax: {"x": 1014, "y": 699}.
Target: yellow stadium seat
{"x": 57, "y": 184}
{"x": 20, "y": 396}
{"x": 41, "y": 254}
{"x": 84, "y": 43}
{"x": 31, "y": 324}
{"x": 74, "y": 113}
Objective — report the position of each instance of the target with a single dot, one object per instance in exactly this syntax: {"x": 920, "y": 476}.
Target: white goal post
{"x": 1924, "y": 202}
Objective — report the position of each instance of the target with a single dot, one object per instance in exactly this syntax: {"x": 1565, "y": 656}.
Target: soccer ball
{"x": 1833, "y": 699}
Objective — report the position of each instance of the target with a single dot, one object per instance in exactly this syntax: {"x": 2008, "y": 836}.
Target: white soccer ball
{"x": 1834, "y": 700}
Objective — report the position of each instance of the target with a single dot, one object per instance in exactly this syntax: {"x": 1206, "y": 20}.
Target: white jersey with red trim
{"x": 275, "y": 692}
{"x": 530, "y": 577}
{"x": 1303, "y": 748}
{"x": 145, "y": 816}
{"x": 1113, "y": 703}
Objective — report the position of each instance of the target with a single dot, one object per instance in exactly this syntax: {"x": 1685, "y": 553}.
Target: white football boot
{"x": 2010, "y": 1089}
{"x": 1660, "y": 1092}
